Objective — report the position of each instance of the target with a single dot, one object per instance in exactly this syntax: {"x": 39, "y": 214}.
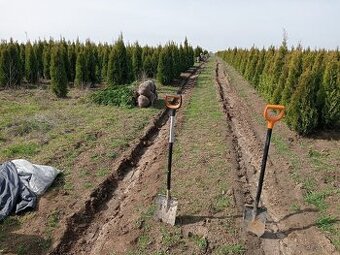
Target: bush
{"x": 115, "y": 96}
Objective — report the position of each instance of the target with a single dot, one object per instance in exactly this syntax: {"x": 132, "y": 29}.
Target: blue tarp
{"x": 20, "y": 183}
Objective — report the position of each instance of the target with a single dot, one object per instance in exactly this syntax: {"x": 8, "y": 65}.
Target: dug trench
{"x": 87, "y": 228}
{"x": 286, "y": 232}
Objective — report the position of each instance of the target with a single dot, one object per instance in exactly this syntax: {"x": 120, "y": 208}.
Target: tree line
{"x": 306, "y": 81}
{"x": 65, "y": 63}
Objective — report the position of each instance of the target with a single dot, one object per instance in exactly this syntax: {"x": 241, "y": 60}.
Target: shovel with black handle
{"x": 166, "y": 206}
{"x": 254, "y": 217}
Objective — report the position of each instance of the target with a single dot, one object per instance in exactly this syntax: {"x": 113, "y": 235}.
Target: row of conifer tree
{"x": 65, "y": 63}
{"x": 306, "y": 81}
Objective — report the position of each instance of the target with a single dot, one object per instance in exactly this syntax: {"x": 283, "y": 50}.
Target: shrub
{"x": 115, "y": 96}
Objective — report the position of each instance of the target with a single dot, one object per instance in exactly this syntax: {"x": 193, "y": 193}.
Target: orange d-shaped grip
{"x": 173, "y": 102}
{"x": 271, "y": 119}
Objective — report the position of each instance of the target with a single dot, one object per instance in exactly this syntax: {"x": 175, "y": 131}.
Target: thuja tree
{"x": 176, "y": 59}
{"x": 305, "y": 81}
{"x": 259, "y": 68}
{"x": 137, "y": 62}
{"x": 47, "y": 62}
{"x": 31, "y": 64}
{"x": 129, "y": 56}
{"x": 87, "y": 62}
{"x": 331, "y": 92}
{"x": 72, "y": 60}
{"x": 295, "y": 70}
{"x": 105, "y": 60}
{"x": 165, "y": 66}
{"x": 302, "y": 114}
{"x": 277, "y": 94}
{"x": 279, "y": 61}
{"x": 58, "y": 71}
{"x": 148, "y": 66}
{"x": 80, "y": 77}
{"x": 10, "y": 65}
{"x": 118, "y": 70}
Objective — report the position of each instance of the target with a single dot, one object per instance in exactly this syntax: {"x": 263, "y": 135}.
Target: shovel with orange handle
{"x": 167, "y": 205}
{"x": 254, "y": 217}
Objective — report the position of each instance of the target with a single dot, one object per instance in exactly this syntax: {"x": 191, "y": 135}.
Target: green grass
{"x": 295, "y": 208}
{"x": 280, "y": 145}
{"x": 326, "y": 222}
{"x": 230, "y": 249}
{"x": 201, "y": 243}
{"x": 317, "y": 198}
{"x": 221, "y": 202}
{"x": 20, "y": 150}
{"x": 171, "y": 238}
{"x": 74, "y": 135}
{"x": 143, "y": 242}
{"x": 202, "y": 172}
{"x": 53, "y": 219}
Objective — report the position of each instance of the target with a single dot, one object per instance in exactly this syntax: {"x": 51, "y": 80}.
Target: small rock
{"x": 143, "y": 101}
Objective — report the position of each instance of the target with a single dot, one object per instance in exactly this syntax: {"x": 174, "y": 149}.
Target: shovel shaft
{"x": 171, "y": 142}
{"x": 263, "y": 168}
{"x": 168, "y": 182}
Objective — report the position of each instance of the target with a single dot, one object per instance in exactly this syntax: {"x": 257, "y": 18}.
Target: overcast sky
{"x": 214, "y": 24}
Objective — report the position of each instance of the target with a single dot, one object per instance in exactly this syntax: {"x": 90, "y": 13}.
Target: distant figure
{"x": 147, "y": 94}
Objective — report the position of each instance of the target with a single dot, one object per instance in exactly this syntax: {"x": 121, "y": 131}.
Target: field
{"x": 113, "y": 163}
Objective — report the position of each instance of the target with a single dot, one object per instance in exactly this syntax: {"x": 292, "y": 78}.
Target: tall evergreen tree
{"x": 155, "y": 59}
{"x": 251, "y": 67}
{"x": 137, "y": 64}
{"x": 295, "y": 70}
{"x": 148, "y": 66}
{"x": 118, "y": 70}
{"x": 80, "y": 77}
{"x": 22, "y": 60}
{"x": 47, "y": 62}
{"x": 31, "y": 64}
{"x": 72, "y": 59}
{"x": 331, "y": 92}
{"x": 105, "y": 61}
{"x": 164, "y": 70}
{"x": 4, "y": 59}
{"x": 176, "y": 66}
{"x": 10, "y": 65}
{"x": 277, "y": 94}
{"x": 279, "y": 61}
{"x": 302, "y": 114}
{"x": 259, "y": 67}
{"x": 39, "y": 49}
{"x": 129, "y": 56}
{"x": 58, "y": 71}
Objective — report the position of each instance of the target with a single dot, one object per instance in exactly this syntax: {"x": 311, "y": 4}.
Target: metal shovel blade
{"x": 257, "y": 224}
{"x": 166, "y": 209}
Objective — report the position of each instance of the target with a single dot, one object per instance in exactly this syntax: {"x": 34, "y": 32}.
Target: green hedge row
{"x": 65, "y": 62}
{"x": 306, "y": 81}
